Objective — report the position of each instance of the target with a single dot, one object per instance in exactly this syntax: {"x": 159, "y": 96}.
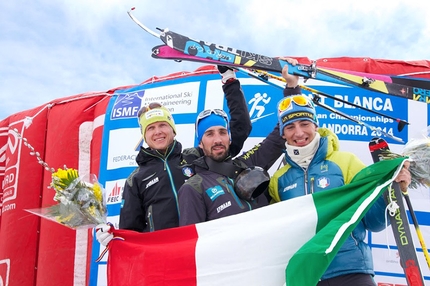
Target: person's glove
{"x": 227, "y": 73}
{"x": 103, "y": 235}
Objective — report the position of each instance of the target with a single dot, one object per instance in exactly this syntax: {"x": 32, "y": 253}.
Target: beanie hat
{"x": 209, "y": 121}
{"x": 158, "y": 114}
{"x": 294, "y": 108}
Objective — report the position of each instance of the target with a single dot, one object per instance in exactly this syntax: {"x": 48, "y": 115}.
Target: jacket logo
{"x": 153, "y": 181}
{"x": 287, "y": 188}
{"x": 323, "y": 182}
{"x": 223, "y": 206}
{"x": 324, "y": 168}
{"x": 187, "y": 171}
{"x": 215, "y": 192}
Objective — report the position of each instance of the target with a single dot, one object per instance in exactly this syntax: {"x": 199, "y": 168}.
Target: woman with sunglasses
{"x": 150, "y": 200}
{"x": 313, "y": 163}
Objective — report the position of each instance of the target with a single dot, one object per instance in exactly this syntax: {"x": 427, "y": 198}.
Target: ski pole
{"x": 401, "y": 123}
{"x": 405, "y": 193}
{"x": 316, "y": 101}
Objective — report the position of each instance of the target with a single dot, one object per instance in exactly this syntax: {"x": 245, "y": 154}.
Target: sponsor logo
{"x": 215, "y": 192}
{"x": 4, "y": 272}
{"x": 401, "y": 232}
{"x": 223, "y": 206}
{"x": 2, "y": 158}
{"x": 11, "y": 156}
{"x": 290, "y": 187}
{"x": 324, "y": 168}
{"x": 296, "y": 115}
{"x": 187, "y": 171}
{"x": 115, "y": 194}
{"x": 323, "y": 182}
{"x": 153, "y": 181}
{"x": 127, "y": 105}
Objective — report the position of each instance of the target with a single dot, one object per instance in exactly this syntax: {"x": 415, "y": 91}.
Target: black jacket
{"x": 210, "y": 195}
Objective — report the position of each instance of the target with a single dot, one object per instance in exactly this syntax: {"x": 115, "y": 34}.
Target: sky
{"x": 54, "y": 49}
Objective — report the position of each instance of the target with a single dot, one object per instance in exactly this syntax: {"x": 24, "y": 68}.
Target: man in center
{"x": 216, "y": 190}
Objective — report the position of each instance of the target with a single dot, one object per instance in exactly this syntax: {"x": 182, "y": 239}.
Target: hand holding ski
{"x": 399, "y": 221}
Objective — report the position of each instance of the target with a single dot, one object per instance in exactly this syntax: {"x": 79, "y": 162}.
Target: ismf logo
{"x": 115, "y": 194}
{"x": 4, "y": 272}
{"x": 127, "y": 105}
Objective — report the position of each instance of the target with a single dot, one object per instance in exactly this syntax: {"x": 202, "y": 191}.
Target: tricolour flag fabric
{"x": 290, "y": 242}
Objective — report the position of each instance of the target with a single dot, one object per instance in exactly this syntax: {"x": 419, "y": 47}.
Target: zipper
{"x": 164, "y": 158}
{"x": 150, "y": 219}
{"x": 306, "y": 181}
{"x": 312, "y": 185}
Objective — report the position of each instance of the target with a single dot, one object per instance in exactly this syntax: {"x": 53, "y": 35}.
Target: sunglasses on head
{"x": 300, "y": 100}
{"x": 207, "y": 112}
{"x": 148, "y": 107}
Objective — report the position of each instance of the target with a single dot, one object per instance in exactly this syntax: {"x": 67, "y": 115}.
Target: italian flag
{"x": 290, "y": 242}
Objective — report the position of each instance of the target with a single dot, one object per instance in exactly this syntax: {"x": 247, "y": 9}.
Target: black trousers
{"x": 356, "y": 279}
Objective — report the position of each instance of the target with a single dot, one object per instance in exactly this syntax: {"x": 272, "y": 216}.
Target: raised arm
{"x": 240, "y": 123}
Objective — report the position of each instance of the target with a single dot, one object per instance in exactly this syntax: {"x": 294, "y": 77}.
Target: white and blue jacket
{"x": 331, "y": 168}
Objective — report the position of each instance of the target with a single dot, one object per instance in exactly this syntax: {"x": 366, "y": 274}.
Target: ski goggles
{"x": 205, "y": 113}
{"x": 146, "y": 108}
{"x": 300, "y": 100}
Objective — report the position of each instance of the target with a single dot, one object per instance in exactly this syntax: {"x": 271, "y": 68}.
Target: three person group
{"x": 173, "y": 187}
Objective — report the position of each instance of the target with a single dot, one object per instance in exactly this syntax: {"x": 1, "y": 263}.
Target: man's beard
{"x": 220, "y": 157}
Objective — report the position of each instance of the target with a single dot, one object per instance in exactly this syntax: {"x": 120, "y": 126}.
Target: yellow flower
{"x": 98, "y": 192}
{"x": 63, "y": 178}
{"x": 92, "y": 210}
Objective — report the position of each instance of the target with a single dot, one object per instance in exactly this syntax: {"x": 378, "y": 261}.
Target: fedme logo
{"x": 114, "y": 195}
{"x": 4, "y": 272}
{"x": 127, "y": 105}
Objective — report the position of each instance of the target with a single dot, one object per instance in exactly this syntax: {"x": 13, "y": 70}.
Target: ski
{"x": 204, "y": 51}
{"x": 210, "y": 53}
{"x": 399, "y": 223}
{"x": 165, "y": 52}
{"x": 231, "y": 56}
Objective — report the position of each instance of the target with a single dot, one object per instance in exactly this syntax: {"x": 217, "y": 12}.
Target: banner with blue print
{"x": 187, "y": 96}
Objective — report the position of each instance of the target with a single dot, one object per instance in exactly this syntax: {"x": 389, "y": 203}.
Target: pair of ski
{"x": 181, "y": 47}
{"x": 399, "y": 222}
{"x": 165, "y": 52}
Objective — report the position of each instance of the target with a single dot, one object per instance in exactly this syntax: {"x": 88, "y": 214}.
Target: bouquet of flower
{"x": 418, "y": 151}
{"x": 81, "y": 199}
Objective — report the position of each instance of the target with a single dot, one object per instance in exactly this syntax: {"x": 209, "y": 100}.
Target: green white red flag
{"x": 290, "y": 242}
